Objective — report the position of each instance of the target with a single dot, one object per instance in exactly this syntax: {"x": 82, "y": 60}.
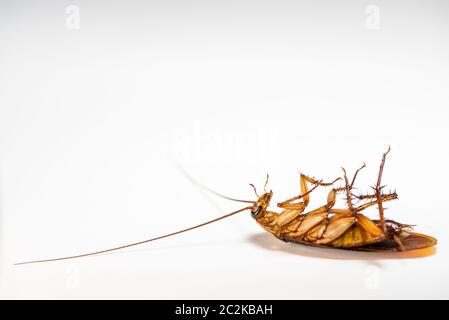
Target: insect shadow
{"x": 268, "y": 242}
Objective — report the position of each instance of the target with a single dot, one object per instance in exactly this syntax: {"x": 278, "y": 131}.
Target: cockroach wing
{"x": 412, "y": 241}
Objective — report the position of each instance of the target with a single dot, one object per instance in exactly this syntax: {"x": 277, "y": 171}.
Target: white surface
{"x": 95, "y": 122}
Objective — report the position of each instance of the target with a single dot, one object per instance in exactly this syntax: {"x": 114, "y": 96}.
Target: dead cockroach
{"x": 325, "y": 226}
{"x": 345, "y": 228}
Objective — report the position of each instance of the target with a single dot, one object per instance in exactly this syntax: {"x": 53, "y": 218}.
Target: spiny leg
{"x": 320, "y": 214}
{"x": 384, "y": 197}
{"x": 378, "y": 190}
{"x": 305, "y": 192}
{"x": 313, "y": 218}
{"x": 293, "y": 210}
{"x": 331, "y": 199}
{"x": 373, "y": 196}
{"x": 303, "y": 179}
{"x": 355, "y": 174}
{"x": 340, "y": 212}
{"x": 348, "y": 192}
{"x": 319, "y": 182}
{"x": 287, "y": 204}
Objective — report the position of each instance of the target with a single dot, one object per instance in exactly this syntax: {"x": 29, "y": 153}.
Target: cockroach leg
{"x": 318, "y": 182}
{"x": 348, "y": 187}
{"x": 293, "y": 210}
{"x": 348, "y": 192}
{"x": 355, "y": 175}
{"x": 327, "y": 208}
{"x": 303, "y": 179}
{"x": 378, "y": 190}
{"x": 287, "y": 204}
{"x": 385, "y": 197}
{"x": 305, "y": 192}
{"x": 399, "y": 242}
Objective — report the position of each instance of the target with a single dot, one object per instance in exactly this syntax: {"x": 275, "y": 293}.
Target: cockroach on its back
{"x": 326, "y": 226}
{"x": 345, "y": 228}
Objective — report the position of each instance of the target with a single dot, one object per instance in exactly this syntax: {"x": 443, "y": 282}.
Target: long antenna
{"x": 136, "y": 243}
{"x": 197, "y": 184}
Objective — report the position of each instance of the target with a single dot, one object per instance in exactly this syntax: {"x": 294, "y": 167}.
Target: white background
{"x": 97, "y": 124}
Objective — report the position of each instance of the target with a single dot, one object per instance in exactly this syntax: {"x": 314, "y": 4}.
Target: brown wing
{"x": 353, "y": 236}
{"x": 356, "y": 236}
{"x": 414, "y": 241}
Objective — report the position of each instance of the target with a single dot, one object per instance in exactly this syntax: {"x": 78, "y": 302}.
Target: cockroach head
{"x": 263, "y": 201}
{"x": 261, "y": 204}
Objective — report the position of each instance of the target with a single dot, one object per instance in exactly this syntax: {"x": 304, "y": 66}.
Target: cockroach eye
{"x": 255, "y": 213}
